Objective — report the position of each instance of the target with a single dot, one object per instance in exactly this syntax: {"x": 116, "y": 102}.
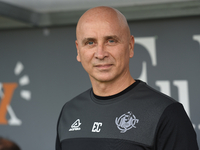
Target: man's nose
{"x": 101, "y": 52}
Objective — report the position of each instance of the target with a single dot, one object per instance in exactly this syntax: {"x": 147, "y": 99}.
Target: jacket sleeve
{"x": 175, "y": 130}
{"x": 58, "y": 146}
{"x": 58, "y": 143}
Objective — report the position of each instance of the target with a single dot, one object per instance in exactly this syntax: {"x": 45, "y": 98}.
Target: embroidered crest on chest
{"x": 126, "y": 121}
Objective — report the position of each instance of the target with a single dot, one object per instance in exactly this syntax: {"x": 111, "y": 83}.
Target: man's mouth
{"x": 103, "y": 66}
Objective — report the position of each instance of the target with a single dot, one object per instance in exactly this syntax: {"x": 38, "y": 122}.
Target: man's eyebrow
{"x": 106, "y": 38}
{"x": 112, "y": 37}
{"x": 87, "y": 39}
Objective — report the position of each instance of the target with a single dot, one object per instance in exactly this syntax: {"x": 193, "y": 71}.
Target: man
{"x": 6, "y": 144}
{"x": 118, "y": 112}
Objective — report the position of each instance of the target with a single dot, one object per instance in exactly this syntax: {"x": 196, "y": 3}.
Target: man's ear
{"x": 78, "y": 55}
{"x": 131, "y": 46}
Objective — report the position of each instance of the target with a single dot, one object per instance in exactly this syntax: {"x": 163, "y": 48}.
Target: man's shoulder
{"x": 152, "y": 95}
{"x": 150, "y": 99}
{"x": 80, "y": 98}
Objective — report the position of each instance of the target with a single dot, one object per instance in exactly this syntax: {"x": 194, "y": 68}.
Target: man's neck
{"x": 112, "y": 87}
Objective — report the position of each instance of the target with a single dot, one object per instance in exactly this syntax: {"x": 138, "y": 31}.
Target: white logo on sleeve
{"x": 96, "y": 127}
{"x": 126, "y": 122}
{"x": 76, "y": 125}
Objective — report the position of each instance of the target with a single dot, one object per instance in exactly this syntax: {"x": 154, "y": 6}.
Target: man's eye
{"x": 90, "y": 43}
{"x": 111, "y": 41}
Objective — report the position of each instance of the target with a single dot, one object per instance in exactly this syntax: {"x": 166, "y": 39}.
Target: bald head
{"x": 104, "y": 45}
{"x": 103, "y": 13}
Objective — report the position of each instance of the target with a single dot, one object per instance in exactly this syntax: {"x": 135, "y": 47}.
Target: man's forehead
{"x": 97, "y": 32}
{"x": 104, "y": 19}
{"x": 101, "y": 22}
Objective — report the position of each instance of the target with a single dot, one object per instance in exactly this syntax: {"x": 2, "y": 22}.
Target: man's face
{"x": 104, "y": 47}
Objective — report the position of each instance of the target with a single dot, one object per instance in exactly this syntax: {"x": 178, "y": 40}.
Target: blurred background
{"x": 39, "y": 72}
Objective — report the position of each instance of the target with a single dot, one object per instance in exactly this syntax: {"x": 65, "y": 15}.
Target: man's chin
{"x": 102, "y": 78}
